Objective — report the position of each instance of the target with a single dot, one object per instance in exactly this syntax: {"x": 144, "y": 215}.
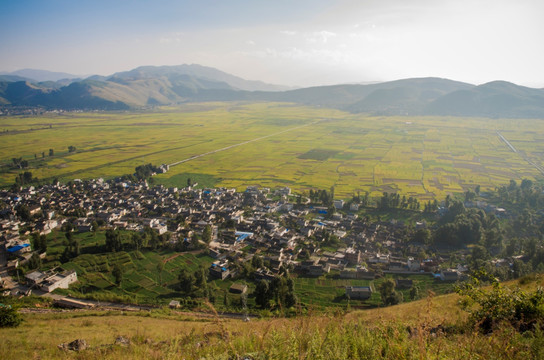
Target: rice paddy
{"x": 424, "y": 157}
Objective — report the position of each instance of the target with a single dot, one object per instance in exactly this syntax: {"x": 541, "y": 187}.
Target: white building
{"x": 59, "y": 281}
{"x": 339, "y": 204}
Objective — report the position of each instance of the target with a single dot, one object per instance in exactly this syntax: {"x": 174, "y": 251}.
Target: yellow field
{"x": 426, "y": 157}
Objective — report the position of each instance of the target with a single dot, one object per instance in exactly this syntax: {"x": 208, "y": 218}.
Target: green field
{"x": 141, "y": 281}
{"x": 426, "y": 157}
{"x": 325, "y": 292}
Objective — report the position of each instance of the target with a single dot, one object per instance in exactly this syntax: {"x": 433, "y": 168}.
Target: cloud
{"x": 171, "y": 38}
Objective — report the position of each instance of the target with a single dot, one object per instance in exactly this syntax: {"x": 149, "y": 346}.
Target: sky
{"x": 287, "y": 42}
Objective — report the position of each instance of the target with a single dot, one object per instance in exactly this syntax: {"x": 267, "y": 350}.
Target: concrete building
{"x": 58, "y": 281}
{"x": 358, "y": 292}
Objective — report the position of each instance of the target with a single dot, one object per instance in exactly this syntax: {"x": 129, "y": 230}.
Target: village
{"x": 286, "y": 231}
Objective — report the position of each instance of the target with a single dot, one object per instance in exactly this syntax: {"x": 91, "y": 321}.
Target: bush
{"x": 9, "y": 317}
{"x": 489, "y": 307}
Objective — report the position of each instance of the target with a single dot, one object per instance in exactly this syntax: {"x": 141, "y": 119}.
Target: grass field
{"x": 426, "y": 157}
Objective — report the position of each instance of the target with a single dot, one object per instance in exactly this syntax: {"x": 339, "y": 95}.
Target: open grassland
{"x": 426, "y": 157}
{"x": 431, "y": 328}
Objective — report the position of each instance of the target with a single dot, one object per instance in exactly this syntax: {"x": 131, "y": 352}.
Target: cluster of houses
{"x": 284, "y": 233}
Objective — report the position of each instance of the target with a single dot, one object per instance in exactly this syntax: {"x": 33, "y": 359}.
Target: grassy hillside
{"x": 428, "y": 329}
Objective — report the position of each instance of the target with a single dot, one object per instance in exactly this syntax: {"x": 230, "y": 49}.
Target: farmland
{"x": 144, "y": 282}
{"x": 425, "y": 157}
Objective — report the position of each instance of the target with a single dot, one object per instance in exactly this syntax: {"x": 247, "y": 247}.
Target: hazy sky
{"x": 290, "y": 42}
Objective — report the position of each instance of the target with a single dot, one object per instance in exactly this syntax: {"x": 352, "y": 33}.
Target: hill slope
{"x": 424, "y": 329}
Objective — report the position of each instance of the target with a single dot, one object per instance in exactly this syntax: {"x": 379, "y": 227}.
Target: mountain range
{"x": 162, "y": 85}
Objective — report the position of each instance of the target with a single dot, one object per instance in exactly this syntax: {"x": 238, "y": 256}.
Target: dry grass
{"x": 431, "y": 328}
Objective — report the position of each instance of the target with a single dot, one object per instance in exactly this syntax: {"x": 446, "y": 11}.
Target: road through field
{"x": 536, "y": 166}
{"x": 240, "y": 144}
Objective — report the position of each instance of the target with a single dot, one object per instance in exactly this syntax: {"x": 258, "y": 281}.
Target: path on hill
{"x": 522, "y": 154}
{"x": 242, "y": 143}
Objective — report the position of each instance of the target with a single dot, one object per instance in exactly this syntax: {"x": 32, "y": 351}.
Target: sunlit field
{"x": 303, "y": 148}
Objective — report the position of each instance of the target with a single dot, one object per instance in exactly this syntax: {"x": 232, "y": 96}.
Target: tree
{"x": 117, "y": 273}
{"x": 414, "y": 292}
{"x": 290, "y": 297}
{"x": 388, "y": 293}
{"x": 263, "y": 295}
{"x": 71, "y": 148}
{"x": 113, "y": 240}
{"x": 186, "y": 281}
{"x": 160, "y": 268}
{"x": 23, "y": 212}
{"x": 94, "y": 225}
{"x": 469, "y": 195}
{"x": 422, "y": 236}
{"x": 39, "y": 242}
{"x": 137, "y": 240}
{"x": 207, "y": 234}
{"x": 200, "y": 277}
{"x": 226, "y": 300}
{"x": 9, "y": 317}
{"x": 35, "y": 262}
{"x": 257, "y": 262}
{"x": 51, "y": 152}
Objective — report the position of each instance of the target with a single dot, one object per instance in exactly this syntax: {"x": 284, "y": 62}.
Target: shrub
{"x": 491, "y": 306}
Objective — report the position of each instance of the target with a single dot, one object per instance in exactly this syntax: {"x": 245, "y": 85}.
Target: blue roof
{"x": 17, "y": 248}
{"x": 242, "y": 237}
{"x": 224, "y": 269}
{"x": 322, "y": 211}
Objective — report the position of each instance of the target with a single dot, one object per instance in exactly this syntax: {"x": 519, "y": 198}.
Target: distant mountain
{"x": 197, "y": 72}
{"x": 11, "y": 78}
{"x": 494, "y": 99}
{"x": 405, "y": 97}
{"x": 162, "y": 85}
{"x": 35, "y": 75}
